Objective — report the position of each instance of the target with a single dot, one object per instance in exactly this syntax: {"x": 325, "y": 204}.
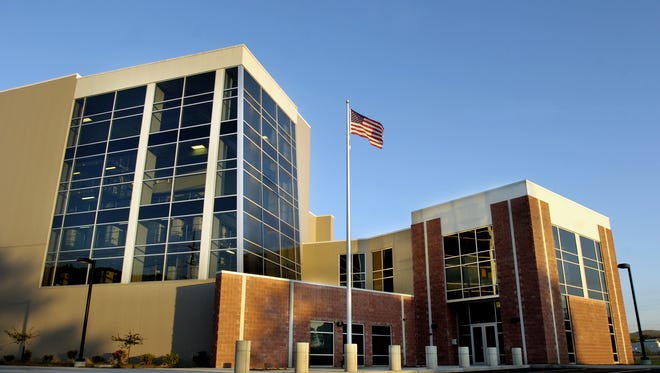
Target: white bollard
{"x": 463, "y": 357}
{"x": 493, "y": 356}
{"x": 431, "y": 357}
{"x": 302, "y": 357}
{"x": 395, "y": 357}
{"x": 350, "y": 357}
{"x": 242, "y": 357}
{"x": 516, "y": 356}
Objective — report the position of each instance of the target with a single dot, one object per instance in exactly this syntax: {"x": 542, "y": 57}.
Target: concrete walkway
{"x": 440, "y": 369}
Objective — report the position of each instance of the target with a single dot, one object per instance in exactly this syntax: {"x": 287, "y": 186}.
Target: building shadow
{"x": 192, "y": 331}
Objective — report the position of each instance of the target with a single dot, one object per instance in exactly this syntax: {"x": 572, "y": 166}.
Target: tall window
{"x": 321, "y": 343}
{"x": 470, "y": 264}
{"x": 381, "y": 339}
{"x": 96, "y": 184}
{"x": 383, "y": 270}
{"x": 359, "y": 264}
{"x": 170, "y": 219}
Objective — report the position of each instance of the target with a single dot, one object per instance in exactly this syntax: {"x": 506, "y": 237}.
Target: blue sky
{"x": 473, "y": 95}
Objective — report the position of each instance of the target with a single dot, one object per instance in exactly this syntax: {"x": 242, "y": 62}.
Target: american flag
{"x": 367, "y": 128}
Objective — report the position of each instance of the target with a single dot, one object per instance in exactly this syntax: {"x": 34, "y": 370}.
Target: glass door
{"x": 483, "y": 336}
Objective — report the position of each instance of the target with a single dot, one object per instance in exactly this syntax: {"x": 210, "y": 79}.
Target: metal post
{"x": 645, "y": 359}
{"x": 92, "y": 266}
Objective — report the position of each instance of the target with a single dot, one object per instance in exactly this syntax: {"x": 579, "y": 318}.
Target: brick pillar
{"x": 443, "y": 318}
{"x": 537, "y": 276}
{"x": 621, "y": 332}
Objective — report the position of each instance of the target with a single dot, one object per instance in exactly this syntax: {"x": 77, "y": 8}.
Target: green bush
{"x": 71, "y": 354}
{"x": 171, "y": 360}
{"x": 8, "y": 358}
{"x": 47, "y": 358}
{"x": 27, "y": 355}
{"x": 202, "y": 359}
{"x": 147, "y": 359}
{"x": 98, "y": 359}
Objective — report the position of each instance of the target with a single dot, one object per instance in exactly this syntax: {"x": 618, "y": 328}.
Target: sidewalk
{"x": 439, "y": 369}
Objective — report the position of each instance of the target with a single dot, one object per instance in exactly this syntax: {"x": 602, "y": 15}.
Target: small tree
{"x": 21, "y": 338}
{"x": 129, "y": 340}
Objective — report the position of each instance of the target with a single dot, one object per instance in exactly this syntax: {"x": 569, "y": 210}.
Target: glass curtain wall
{"x": 256, "y": 151}
{"x": 271, "y": 238}
{"x": 172, "y": 199}
{"x": 92, "y": 207}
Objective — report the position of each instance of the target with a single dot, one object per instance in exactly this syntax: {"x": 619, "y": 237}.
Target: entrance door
{"x": 483, "y": 336}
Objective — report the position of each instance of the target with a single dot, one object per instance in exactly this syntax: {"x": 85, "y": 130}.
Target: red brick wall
{"x": 443, "y": 316}
{"x": 506, "y": 277}
{"x": 590, "y": 331}
{"x": 538, "y": 279}
{"x": 267, "y": 317}
{"x": 621, "y": 332}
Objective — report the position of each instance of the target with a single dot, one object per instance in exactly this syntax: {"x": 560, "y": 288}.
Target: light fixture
{"x": 76, "y": 173}
{"x": 87, "y": 120}
{"x": 87, "y": 197}
{"x": 198, "y": 147}
{"x": 110, "y": 168}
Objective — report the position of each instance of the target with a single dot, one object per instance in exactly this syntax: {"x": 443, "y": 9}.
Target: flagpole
{"x": 349, "y": 256}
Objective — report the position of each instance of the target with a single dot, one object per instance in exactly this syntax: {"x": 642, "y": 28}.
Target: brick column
{"x": 443, "y": 318}
{"x": 613, "y": 280}
{"x": 537, "y": 276}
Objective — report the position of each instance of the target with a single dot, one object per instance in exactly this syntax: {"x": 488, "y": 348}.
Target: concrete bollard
{"x": 350, "y": 357}
{"x": 463, "y": 357}
{"x": 431, "y": 357}
{"x": 395, "y": 357}
{"x": 516, "y": 356}
{"x": 302, "y": 357}
{"x": 493, "y": 356}
{"x": 242, "y": 358}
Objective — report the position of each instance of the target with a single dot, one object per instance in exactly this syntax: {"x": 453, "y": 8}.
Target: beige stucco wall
{"x": 321, "y": 259}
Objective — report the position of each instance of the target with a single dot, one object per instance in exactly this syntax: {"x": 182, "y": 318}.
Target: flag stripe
{"x": 368, "y": 128}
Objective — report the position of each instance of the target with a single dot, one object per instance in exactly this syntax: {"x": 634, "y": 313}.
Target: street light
{"x": 80, "y": 361}
{"x": 645, "y": 359}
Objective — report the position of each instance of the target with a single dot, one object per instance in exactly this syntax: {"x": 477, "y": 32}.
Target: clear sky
{"x": 473, "y": 95}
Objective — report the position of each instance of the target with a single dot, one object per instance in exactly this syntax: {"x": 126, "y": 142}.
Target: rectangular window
{"x": 381, "y": 339}
{"x": 383, "y": 270}
{"x": 321, "y": 343}
{"x": 359, "y": 271}
{"x": 470, "y": 270}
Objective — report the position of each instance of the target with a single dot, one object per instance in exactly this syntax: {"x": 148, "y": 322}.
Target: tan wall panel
{"x": 172, "y": 316}
{"x": 34, "y": 121}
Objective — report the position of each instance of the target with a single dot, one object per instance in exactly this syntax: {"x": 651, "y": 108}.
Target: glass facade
{"x": 470, "y": 264}
{"x": 96, "y": 183}
{"x": 236, "y": 211}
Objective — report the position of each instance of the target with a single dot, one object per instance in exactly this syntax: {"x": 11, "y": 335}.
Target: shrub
{"x": 202, "y": 359}
{"x": 71, "y": 354}
{"x": 98, "y": 359}
{"x": 47, "y": 358}
{"x": 171, "y": 360}
{"x": 127, "y": 341}
{"x": 147, "y": 359}
{"x": 119, "y": 358}
{"x": 27, "y": 355}
{"x": 8, "y": 358}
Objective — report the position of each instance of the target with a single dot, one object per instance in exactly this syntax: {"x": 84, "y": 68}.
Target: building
{"x": 187, "y": 181}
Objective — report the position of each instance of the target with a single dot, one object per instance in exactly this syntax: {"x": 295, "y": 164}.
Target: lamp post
{"x": 80, "y": 361}
{"x": 645, "y": 359}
